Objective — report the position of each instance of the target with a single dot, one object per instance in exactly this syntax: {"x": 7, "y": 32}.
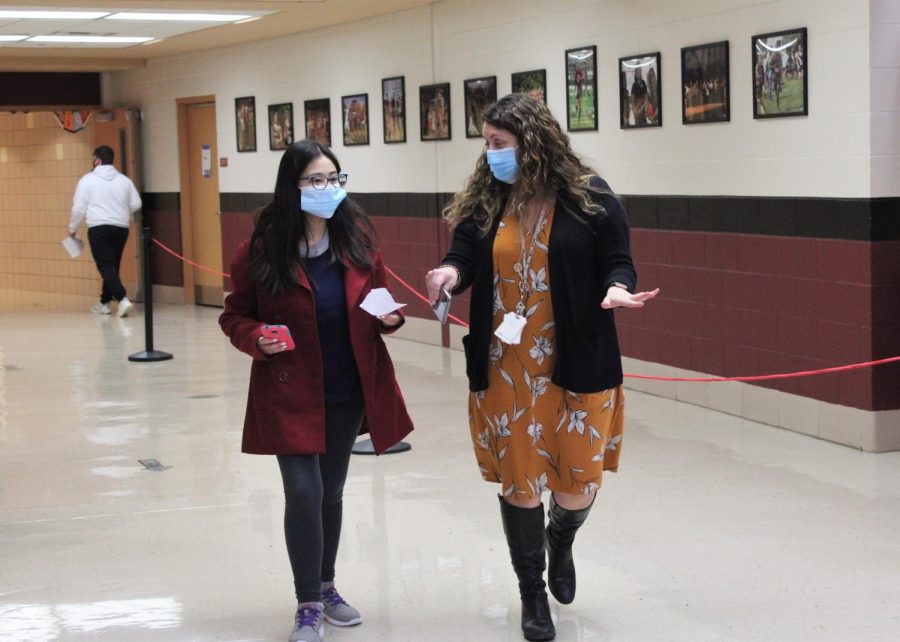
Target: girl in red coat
{"x": 310, "y": 262}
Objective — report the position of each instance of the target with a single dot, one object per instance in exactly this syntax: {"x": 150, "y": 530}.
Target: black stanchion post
{"x": 149, "y": 354}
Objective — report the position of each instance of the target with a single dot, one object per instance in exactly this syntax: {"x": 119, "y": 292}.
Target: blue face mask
{"x": 321, "y": 202}
{"x": 503, "y": 164}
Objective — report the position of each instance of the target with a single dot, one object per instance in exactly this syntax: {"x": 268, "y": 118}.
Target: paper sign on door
{"x": 206, "y": 159}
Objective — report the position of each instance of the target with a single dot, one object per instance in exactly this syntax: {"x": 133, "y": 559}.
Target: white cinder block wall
{"x": 885, "y": 96}
{"x": 846, "y": 147}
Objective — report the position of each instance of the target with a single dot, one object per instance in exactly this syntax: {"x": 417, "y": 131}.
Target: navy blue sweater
{"x": 340, "y": 371}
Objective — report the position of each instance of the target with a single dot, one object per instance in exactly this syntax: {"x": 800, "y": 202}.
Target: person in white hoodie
{"x": 108, "y": 199}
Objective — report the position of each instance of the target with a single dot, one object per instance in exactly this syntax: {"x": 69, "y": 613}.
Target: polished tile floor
{"x": 715, "y": 528}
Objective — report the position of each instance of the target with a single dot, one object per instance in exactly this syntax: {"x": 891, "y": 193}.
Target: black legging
{"x": 107, "y": 244}
{"x": 313, "y": 491}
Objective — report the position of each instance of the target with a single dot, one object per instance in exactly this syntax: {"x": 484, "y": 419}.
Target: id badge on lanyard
{"x": 510, "y": 330}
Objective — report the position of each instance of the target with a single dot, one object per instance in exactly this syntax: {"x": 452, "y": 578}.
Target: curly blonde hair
{"x": 546, "y": 164}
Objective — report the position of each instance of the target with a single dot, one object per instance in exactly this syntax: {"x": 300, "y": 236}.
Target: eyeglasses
{"x": 319, "y": 182}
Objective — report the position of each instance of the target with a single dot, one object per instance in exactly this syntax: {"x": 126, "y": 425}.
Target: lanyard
{"x": 524, "y": 265}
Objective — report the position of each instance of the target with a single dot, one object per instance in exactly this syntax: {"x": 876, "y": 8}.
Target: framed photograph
{"x": 533, "y": 83}
{"x": 245, "y": 123}
{"x": 318, "y": 120}
{"x": 478, "y": 95}
{"x": 705, "y": 85}
{"x": 393, "y": 109}
{"x": 581, "y": 89}
{"x": 434, "y": 111}
{"x": 779, "y": 74}
{"x": 355, "y": 117}
{"x": 640, "y": 101}
{"x": 281, "y": 125}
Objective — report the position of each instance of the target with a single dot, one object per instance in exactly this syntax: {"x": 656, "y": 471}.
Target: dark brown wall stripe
{"x": 862, "y": 219}
{"x": 852, "y": 219}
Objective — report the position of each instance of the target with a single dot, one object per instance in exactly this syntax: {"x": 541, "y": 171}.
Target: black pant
{"x": 313, "y": 492}
{"x": 107, "y": 244}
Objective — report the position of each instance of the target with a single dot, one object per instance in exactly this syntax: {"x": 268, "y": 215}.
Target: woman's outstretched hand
{"x": 617, "y": 297}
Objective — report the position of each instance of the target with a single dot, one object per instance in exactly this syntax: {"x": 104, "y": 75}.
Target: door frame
{"x": 184, "y": 178}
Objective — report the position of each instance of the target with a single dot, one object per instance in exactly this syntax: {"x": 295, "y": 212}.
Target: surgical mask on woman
{"x": 321, "y": 202}
{"x": 504, "y": 164}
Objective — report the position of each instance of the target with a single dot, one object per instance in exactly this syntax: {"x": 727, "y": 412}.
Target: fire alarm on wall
{"x": 223, "y": 162}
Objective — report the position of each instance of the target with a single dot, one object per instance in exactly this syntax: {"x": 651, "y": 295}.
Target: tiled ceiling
{"x": 268, "y": 19}
{"x": 100, "y": 26}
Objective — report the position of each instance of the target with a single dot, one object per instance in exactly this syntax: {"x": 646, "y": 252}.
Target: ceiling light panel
{"x": 184, "y": 17}
{"x": 92, "y": 40}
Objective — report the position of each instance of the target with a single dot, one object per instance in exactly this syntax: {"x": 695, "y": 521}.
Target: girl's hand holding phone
{"x": 275, "y": 339}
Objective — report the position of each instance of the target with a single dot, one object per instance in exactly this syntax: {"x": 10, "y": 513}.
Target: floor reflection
{"x": 39, "y": 623}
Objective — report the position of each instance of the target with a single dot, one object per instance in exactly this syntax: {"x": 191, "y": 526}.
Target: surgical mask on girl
{"x": 503, "y": 164}
{"x": 321, "y": 202}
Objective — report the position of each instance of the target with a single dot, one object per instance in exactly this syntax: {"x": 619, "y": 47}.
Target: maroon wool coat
{"x": 286, "y": 402}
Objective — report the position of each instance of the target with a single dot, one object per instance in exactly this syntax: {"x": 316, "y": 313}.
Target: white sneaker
{"x": 100, "y": 308}
{"x": 125, "y": 306}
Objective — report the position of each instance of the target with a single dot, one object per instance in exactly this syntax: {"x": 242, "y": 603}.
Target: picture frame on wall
{"x": 780, "y": 61}
{"x": 640, "y": 98}
{"x": 355, "y": 119}
{"x": 705, "y": 84}
{"x": 317, "y": 114}
{"x": 281, "y": 125}
{"x": 533, "y": 83}
{"x": 434, "y": 112}
{"x": 478, "y": 95}
{"x": 245, "y": 123}
{"x": 393, "y": 109}
{"x": 581, "y": 89}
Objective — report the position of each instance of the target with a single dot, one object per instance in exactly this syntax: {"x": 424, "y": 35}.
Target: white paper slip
{"x": 74, "y": 246}
{"x": 379, "y": 302}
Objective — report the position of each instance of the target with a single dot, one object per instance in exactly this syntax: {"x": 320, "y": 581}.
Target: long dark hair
{"x": 546, "y": 161}
{"x": 281, "y": 225}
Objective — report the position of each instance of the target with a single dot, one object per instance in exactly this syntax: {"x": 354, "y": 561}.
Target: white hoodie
{"x": 106, "y": 197}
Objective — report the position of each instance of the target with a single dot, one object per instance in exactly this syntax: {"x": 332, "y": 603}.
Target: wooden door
{"x": 200, "y": 202}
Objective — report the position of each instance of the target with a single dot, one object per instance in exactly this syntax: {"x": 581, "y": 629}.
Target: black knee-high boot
{"x": 524, "y": 528}
{"x": 561, "y": 529}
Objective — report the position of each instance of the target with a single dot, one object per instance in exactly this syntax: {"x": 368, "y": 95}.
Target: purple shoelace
{"x": 331, "y": 596}
{"x": 308, "y": 616}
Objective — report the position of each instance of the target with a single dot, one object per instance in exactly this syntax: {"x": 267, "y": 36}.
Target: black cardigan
{"x": 584, "y": 260}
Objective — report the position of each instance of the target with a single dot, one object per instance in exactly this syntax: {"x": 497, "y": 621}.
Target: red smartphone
{"x": 280, "y": 332}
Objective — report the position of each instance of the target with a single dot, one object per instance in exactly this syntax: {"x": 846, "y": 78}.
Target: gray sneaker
{"x": 308, "y": 623}
{"x": 337, "y": 611}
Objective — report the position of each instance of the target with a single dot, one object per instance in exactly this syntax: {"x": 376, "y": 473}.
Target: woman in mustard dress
{"x": 544, "y": 245}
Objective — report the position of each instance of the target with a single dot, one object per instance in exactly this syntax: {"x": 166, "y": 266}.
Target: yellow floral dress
{"x": 529, "y": 434}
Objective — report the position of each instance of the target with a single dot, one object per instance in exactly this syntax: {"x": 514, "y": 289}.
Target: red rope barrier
{"x": 188, "y": 261}
{"x": 786, "y": 375}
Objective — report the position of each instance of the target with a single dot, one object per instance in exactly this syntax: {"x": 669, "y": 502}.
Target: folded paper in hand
{"x": 379, "y": 302}
{"x": 74, "y": 246}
